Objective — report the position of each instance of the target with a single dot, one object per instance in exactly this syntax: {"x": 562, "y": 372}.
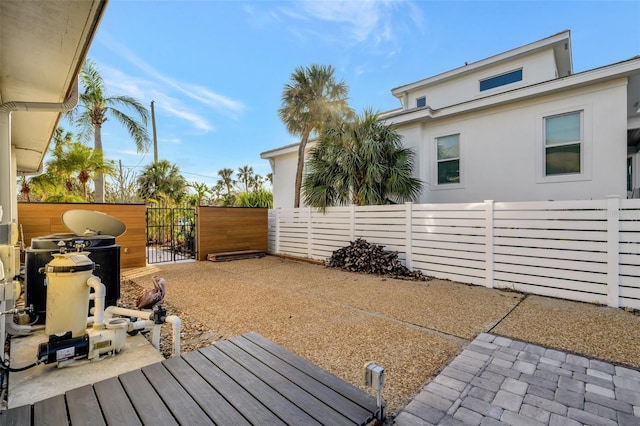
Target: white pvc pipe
{"x": 8, "y": 199}
{"x": 99, "y": 296}
{"x": 111, "y": 310}
{"x": 155, "y": 336}
{"x": 140, "y": 325}
{"x": 176, "y": 324}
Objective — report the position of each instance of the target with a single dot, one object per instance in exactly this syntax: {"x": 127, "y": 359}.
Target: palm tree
{"x": 360, "y": 162}
{"x": 95, "y": 107}
{"x": 73, "y": 164}
{"x": 161, "y": 181}
{"x": 226, "y": 177}
{"x": 86, "y": 163}
{"x": 245, "y": 174}
{"x": 41, "y": 187}
{"x": 25, "y": 189}
{"x": 201, "y": 192}
{"x": 217, "y": 192}
{"x": 256, "y": 182}
{"x": 310, "y": 98}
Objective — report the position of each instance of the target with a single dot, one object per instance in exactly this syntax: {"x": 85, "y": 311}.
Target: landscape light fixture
{"x": 374, "y": 378}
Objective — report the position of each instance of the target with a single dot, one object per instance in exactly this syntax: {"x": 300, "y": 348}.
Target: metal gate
{"x": 171, "y": 234}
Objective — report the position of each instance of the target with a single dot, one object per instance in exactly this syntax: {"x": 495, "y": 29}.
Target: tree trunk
{"x": 98, "y": 182}
{"x": 298, "y": 185}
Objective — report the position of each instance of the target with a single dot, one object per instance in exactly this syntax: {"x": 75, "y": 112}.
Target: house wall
{"x": 284, "y": 177}
{"x": 502, "y": 149}
{"x": 536, "y": 68}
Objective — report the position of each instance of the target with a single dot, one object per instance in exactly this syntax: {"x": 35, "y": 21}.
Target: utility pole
{"x": 155, "y": 135}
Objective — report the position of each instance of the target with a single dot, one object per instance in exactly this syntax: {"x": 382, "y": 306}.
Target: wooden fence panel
{"x": 224, "y": 229}
{"x": 40, "y": 219}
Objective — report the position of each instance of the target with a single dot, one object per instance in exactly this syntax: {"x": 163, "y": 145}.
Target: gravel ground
{"x": 340, "y": 320}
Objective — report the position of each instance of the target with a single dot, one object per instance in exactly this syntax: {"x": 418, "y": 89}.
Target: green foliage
{"x": 260, "y": 198}
{"x": 309, "y": 100}
{"x": 162, "y": 183}
{"x": 95, "y": 106}
{"x": 360, "y": 162}
{"x": 67, "y": 172}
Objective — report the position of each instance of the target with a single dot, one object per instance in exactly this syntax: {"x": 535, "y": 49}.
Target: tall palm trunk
{"x": 98, "y": 182}
{"x": 300, "y": 167}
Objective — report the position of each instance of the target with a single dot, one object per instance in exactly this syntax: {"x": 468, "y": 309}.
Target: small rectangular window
{"x": 501, "y": 80}
{"x": 421, "y": 102}
{"x": 448, "y": 159}
{"x": 563, "y": 144}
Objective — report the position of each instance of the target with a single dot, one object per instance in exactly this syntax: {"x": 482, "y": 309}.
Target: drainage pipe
{"x": 8, "y": 199}
{"x": 176, "y": 325}
{"x": 98, "y": 299}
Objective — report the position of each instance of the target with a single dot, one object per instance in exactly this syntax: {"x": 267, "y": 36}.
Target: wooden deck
{"x": 241, "y": 381}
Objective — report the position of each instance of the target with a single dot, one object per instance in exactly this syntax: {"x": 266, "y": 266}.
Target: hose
{"x": 17, "y": 370}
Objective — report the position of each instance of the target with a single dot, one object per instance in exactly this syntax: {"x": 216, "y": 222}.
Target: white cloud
{"x": 222, "y": 104}
{"x": 123, "y": 84}
{"x": 170, "y": 140}
{"x": 359, "y": 21}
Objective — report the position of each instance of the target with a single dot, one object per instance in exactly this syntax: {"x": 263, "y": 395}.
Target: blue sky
{"x": 216, "y": 69}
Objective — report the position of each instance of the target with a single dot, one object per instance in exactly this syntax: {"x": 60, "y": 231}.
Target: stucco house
{"x": 517, "y": 126}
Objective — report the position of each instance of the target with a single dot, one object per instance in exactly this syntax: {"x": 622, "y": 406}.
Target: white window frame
{"x": 585, "y": 146}
{"x": 434, "y": 173}
{"x": 425, "y": 101}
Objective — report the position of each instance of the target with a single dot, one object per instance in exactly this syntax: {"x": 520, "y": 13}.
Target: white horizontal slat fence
{"x": 586, "y": 250}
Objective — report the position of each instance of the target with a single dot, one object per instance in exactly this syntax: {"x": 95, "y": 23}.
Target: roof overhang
{"x": 629, "y": 70}
{"x": 560, "y": 43}
{"x": 42, "y": 47}
{"x": 283, "y": 150}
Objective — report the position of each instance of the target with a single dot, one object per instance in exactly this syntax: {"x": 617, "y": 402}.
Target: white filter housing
{"x": 68, "y": 293}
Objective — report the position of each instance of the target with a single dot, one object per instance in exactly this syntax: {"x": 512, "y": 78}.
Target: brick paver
{"x": 497, "y": 380}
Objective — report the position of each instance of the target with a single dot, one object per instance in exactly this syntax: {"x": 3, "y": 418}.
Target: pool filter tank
{"x": 69, "y": 279}
{"x": 68, "y": 293}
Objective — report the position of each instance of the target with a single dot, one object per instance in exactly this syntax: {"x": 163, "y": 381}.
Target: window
{"x": 501, "y": 80}
{"x": 421, "y": 102}
{"x": 563, "y": 144}
{"x": 448, "y": 159}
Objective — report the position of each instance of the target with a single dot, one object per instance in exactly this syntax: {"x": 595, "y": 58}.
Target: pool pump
{"x": 69, "y": 279}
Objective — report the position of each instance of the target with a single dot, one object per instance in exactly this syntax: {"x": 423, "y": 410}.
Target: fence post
{"x": 613, "y": 251}
{"x": 408, "y": 219}
{"x": 309, "y": 234}
{"x": 488, "y": 264}
{"x": 352, "y": 222}
{"x": 277, "y": 237}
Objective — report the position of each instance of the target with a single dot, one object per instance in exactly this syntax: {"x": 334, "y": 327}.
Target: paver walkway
{"x": 498, "y": 381}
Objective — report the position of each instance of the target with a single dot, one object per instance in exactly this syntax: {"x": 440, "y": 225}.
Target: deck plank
{"x": 18, "y": 416}
{"x": 346, "y": 407}
{"x": 242, "y": 400}
{"x": 116, "y": 406}
{"x": 243, "y": 380}
{"x": 51, "y": 411}
{"x": 184, "y": 408}
{"x": 342, "y": 387}
{"x": 216, "y": 407}
{"x": 83, "y": 407}
{"x": 150, "y": 408}
{"x": 282, "y": 407}
{"x": 279, "y": 383}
